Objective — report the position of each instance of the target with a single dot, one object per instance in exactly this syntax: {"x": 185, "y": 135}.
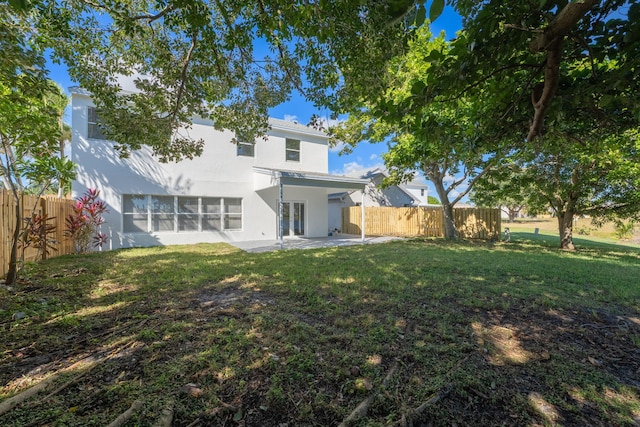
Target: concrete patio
{"x": 310, "y": 243}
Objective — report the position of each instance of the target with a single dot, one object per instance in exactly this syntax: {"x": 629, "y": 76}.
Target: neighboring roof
{"x": 338, "y": 196}
{"x": 416, "y": 184}
{"x": 313, "y": 179}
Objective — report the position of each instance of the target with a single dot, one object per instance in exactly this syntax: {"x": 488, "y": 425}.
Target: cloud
{"x": 356, "y": 169}
{"x": 290, "y": 118}
{"x": 373, "y": 156}
{"x": 337, "y": 147}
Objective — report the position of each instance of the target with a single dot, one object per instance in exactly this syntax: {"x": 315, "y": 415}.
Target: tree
{"x": 523, "y": 50}
{"x": 227, "y": 61}
{"x": 443, "y": 140}
{"x": 30, "y": 107}
{"x": 600, "y": 178}
{"x": 556, "y": 83}
{"x": 498, "y": 191}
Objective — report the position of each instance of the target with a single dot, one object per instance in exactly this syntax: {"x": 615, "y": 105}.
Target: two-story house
{"x": 267, "y": 190}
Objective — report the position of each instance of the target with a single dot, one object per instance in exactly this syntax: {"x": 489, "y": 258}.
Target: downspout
{"x": 280, "y": 209}
{"x": 362, "y": 213}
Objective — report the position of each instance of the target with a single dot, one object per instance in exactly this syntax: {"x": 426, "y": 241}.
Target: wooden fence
{"x": 55, "y": 208}
{"x": 471, "y": 223}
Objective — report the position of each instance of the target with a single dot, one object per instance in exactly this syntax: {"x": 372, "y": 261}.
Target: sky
{"x": 364, "y": 157}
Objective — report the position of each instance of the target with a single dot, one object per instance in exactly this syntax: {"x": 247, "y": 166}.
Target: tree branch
{"x": 561, "y": 24}
{"x": 183, "y": 77}
{"x": 541, "y": 96}
{"x": 150, "y": 18}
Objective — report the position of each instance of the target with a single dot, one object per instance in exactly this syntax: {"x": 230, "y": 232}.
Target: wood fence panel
{"x": 472, "y": 223}
{"x": 52, "y": 206}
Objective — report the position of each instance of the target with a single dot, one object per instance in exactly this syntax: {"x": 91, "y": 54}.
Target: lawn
{"x": 418, "y": 332}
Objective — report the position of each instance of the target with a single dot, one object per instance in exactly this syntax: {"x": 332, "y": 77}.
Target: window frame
{"x": 94, "y": 130}
{"x": 246, "y": 149}
{"x": 289, "y": 150}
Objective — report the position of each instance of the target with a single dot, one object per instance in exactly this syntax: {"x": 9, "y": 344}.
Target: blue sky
{"x": 364, "y": 157}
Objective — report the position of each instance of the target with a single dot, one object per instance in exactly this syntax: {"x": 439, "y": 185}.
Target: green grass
{"x": 522, "y": 334}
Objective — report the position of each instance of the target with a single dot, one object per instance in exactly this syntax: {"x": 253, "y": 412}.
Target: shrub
{"x": 36, "y": 234}
{"x": 83, "y": 226}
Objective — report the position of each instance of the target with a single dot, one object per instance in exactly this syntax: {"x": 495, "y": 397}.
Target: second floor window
{"x": 93, "y": 124}
{"x": 293, "y": 150}
{"x": 246, "y": 149}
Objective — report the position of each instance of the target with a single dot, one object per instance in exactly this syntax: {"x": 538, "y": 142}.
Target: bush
{"x": 37, "y": 234}
{"x": 83, "y": 226}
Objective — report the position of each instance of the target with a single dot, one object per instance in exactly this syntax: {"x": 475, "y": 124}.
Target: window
{"x": 135, "y": 216}
{"x": 232, "y": 214}
{"x": 246, "y": 149}
{"x": 211, "y": 214}
{"x": 145, "y": 213}
{"x": 293, "y": 150}
{"x": 94, "y": 129}
{"x": 188, "y": 214}
{"x": 422, "y": 192}
{"x": 162, "y": 213}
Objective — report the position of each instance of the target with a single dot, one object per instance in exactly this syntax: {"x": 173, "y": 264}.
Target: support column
{"x": 364, "y": 226}
{"x": 280, "y": 211}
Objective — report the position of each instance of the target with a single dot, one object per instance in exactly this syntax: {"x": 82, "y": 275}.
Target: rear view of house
{"x": 249, "y": 191}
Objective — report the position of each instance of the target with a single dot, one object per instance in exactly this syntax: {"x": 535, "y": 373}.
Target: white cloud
{"x": 373, "y": 156}
{"x": 290, "y": 118}
{"x": 356, "y": 169}
{"x": 337, "y": 148}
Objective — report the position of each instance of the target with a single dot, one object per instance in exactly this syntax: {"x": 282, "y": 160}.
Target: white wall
{"x": 219, "y": 172}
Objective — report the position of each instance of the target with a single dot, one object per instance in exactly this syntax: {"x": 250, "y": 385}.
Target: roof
{"x": 312, "y": 179}
{"x": 277, "y": 124}
{"x": 295, "y": 127}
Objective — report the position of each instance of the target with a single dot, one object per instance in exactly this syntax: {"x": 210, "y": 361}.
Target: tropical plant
{"x": 83, "y": 226}
{"x": 37, "y": 234}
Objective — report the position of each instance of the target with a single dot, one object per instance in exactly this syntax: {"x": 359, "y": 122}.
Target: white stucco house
{"x": 273, "y": 189}
{"x": 414, "y": 193}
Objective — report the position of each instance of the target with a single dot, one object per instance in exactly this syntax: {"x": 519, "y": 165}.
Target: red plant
{"x": 83, "y": 225}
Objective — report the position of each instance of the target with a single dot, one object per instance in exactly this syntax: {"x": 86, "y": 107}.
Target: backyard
{"x": 414, "y": 332}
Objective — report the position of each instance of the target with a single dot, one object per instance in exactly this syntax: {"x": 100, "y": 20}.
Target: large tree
{"x": 524, "y": 49}
{"x": 31, "y": 107}
{"x": 443, "y": 139}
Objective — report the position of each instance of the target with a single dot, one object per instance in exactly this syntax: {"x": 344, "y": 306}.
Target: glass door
{"x": 293, "y": 216}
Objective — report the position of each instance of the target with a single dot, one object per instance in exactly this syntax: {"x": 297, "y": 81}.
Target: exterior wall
{"x": 219, "y": 172}
{"x": 416, "y": 191}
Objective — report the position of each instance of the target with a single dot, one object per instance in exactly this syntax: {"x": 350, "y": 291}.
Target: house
{"x": 414, "y": 193}
{"x": 274, "y": 189}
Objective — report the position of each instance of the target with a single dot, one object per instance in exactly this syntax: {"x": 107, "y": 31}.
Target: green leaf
{"x": 436, "y": 9}
{"x": 421, "y": 15}
{"x": 19, "y": 5}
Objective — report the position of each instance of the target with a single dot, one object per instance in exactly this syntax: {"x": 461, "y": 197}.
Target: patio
{"x": 310, "y": 243}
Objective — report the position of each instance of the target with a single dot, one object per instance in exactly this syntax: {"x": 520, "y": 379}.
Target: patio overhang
{"x": 269, "y": 178}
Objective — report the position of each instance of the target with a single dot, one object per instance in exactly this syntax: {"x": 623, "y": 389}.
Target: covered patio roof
{"x": 268, "y": 178}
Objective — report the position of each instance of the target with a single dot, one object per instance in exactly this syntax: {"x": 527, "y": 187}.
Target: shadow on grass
{"x": 526, "y": 334}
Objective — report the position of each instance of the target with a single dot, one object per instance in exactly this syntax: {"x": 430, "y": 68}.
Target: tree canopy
{"x": 226, "y": 61}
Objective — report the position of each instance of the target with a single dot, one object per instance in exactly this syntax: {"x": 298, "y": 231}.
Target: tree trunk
{"x": 450, "y": 232}
{"x": 565, "y": 226}
{"x": 12, "y": 272}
